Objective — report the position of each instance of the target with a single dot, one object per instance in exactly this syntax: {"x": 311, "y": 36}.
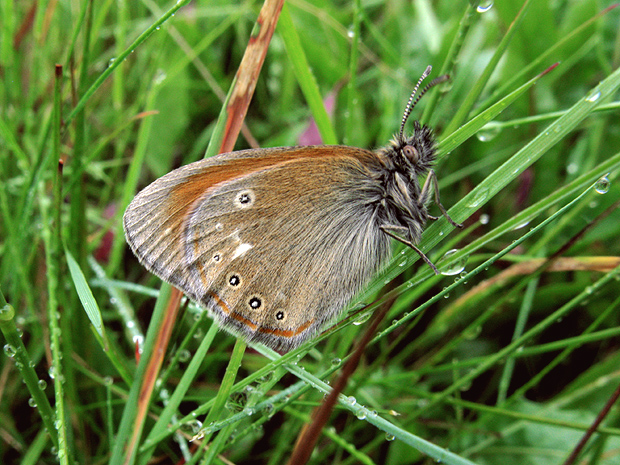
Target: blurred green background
{"x": 448, "y": 373}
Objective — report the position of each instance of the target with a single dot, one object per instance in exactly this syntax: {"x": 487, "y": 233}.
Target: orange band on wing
{"x": 244, "y": 320}
{"x": 203, "y": 277}
{"x": 220, "y": 302}
{"x": 287, "y": 333}
{"x": 249, "y": 323}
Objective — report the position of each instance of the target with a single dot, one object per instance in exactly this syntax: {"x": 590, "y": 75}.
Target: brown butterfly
{"x": 275, "y": 242}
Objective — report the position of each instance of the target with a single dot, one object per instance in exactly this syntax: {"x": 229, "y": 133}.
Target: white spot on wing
{"x": 241, "y": 249}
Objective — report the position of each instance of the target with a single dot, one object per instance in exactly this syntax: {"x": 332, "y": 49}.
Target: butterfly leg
{"x": 432, "y": 179}
{"x": 389, "y": 230}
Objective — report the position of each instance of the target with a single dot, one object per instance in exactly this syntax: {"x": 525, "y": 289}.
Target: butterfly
{"x": 275, "y": 242}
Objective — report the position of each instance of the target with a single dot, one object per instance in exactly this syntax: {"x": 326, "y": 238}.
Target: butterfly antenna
{"x": 412, "y": 103}
{"x": 433, "y": 83}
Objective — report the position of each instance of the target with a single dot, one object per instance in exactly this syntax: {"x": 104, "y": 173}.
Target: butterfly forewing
{"x": 270, "y": 265}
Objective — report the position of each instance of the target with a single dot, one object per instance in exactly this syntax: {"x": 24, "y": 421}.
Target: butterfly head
{"x": 414, "y": 154}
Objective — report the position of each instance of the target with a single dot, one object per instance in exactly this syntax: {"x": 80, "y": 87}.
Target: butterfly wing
{"x": 274, "y": 242}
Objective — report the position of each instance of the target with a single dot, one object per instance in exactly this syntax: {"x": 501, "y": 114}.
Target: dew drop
{"x": 269, "y": 409}
{"x": 453, "y": 267}
{"x": 479, "y": 197}
{"x": 6, "y": 312}
{"x": 160, "y": 76}
{"x": 484, "y": 219}
{"x": 184, "y": 355}
{"x": 389, "y": 437}
{"x": 362, "y": 318}
{"x": 111, "y": 62}
{"x": 472, "y": 333}
{"x": 9, "y": 350}
{"x": 602, "y": 185}
{"x": 593, "y": 97}
{"x": 42, "y": 384}
{"x": 195, "y": 426}
{"x": 572, "y": 168}
{"x": 522, "y": 224}
{"x": 488, "y": 132}
{"x": 484, "y": 6}
{"x": 465, "y": 387}
{"x": 249, "y": 389}
{"x": 32, "y": 403}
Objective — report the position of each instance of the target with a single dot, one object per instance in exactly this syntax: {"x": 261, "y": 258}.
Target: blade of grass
{"x": 352, "y": 81}
{"x": 514, "y": 345}
{"x": 443, "y": 321}
{"x": 305, "y": 78}
{"x": 15, "y": 349}
{"x": 450, "y": 60}
{"x": 538, "y": 61}
{"x": 53, "y": 239}
{"x": 475, "y": 92}
{"x": 125, "y": 433}
{"x": 456, "y": 138}
{"x": 238, "y": 100}
{"x": 177, "y": 397}
{"x": 119, "y": 59}
{"x": 85, "y": 294}
{"x": 76, "y": 239}
{"x": 226, "y": 387}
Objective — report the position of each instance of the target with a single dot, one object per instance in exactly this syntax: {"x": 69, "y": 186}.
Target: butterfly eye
{"x": 234, "y": 280}
{"x": 280, "y": 315}
{"x": 217, "y": 257}
{"x": 244, "y": 198}
{"x": 411, "y": 153}
{"x": 255, "y": 303}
